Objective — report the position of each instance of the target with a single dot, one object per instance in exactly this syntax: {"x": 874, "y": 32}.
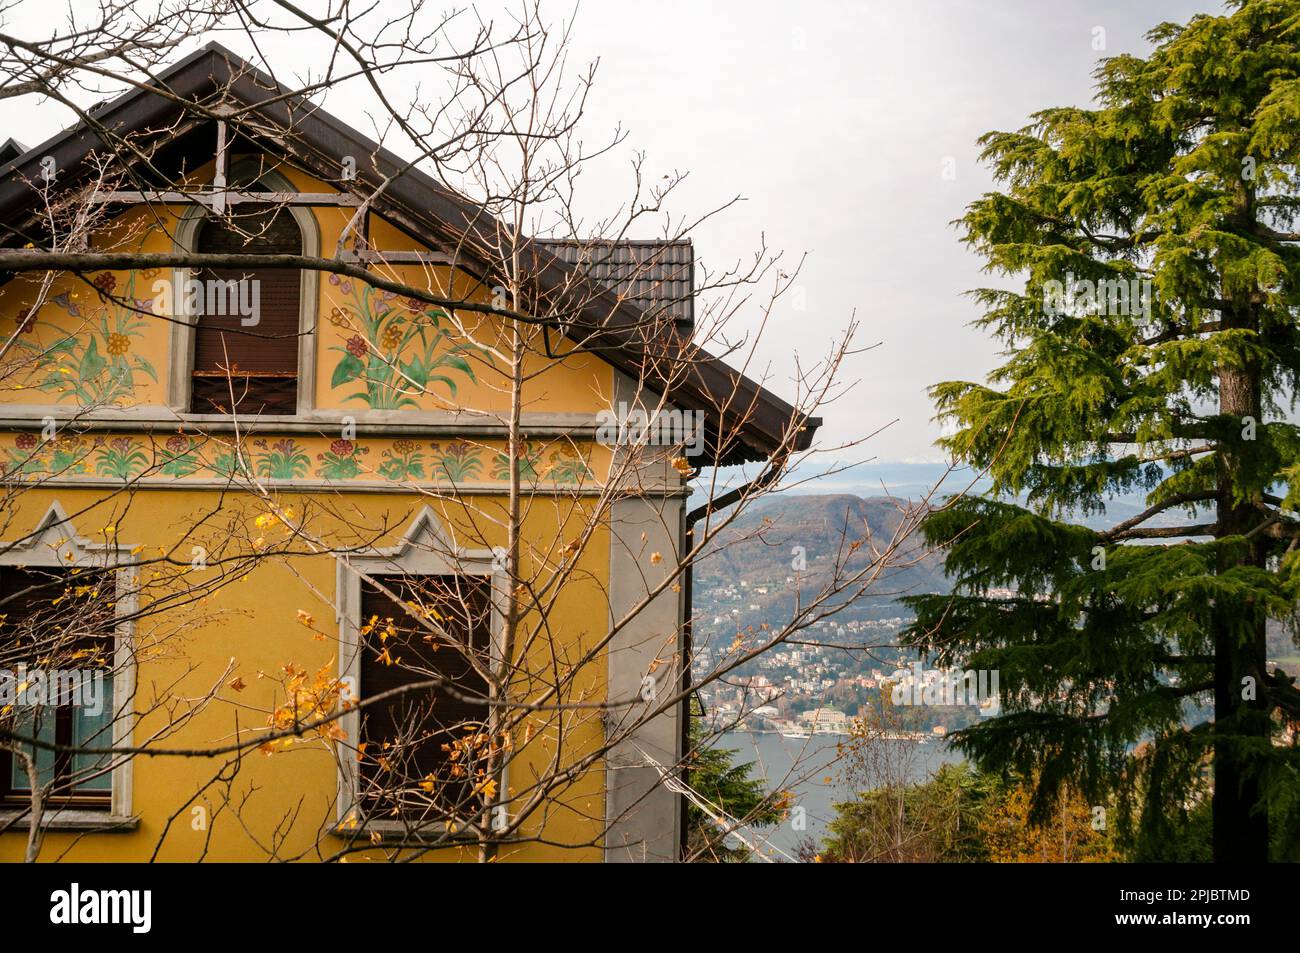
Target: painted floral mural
{"x": 395, "y": 351}
{"x": 230, "y": 462}
{"x": 458, "y": 461}
{"x": 95, "y": 362}
{"x": 180, "y": 456}
{"x": 528, "y": 463}
{"x": 121, "y": 458}
{"x": 70, "y": 454}
{"x": 404, "y": 461}
{"x": 342, "y": 461}
{"x": 563, "y": 465}
{"x": 390, "y": 352}
{"x": 555, "y": 463}
{"x": 282, "y": 460}
{"x": 26, "y": 456}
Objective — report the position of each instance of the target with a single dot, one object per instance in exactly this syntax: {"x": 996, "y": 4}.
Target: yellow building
{"x": 290, "y": 489}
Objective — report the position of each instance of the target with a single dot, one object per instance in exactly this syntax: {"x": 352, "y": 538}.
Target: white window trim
{"x": 54, "y": 542}
{"x": 181, "y": 350}
{"x": 425, "y": 550}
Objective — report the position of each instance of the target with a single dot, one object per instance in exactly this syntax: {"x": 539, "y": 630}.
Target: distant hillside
{"x": 757, "y": 552}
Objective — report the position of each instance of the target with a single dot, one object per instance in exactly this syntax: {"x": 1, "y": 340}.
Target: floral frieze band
{"x": 29, "y": 456}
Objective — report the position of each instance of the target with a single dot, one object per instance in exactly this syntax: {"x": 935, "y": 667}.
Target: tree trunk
{"x": 1240, "y": 710}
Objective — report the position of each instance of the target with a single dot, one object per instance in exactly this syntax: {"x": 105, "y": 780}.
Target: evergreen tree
{"x": 1154, "y": 348}
{"x": 943, "y": 820}
{"x": 728, "y": 787}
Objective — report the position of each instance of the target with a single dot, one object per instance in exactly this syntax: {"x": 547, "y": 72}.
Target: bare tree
{"x": 491, "y": 715}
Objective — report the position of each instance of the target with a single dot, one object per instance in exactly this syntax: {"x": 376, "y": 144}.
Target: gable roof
{"x": 11, "y": 149}
{"x": 745, "y": 421}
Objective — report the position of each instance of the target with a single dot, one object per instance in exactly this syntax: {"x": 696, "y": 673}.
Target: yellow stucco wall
{"x": 250, "y": 630}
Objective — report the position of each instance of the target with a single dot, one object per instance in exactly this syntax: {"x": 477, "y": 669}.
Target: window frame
{"x": 424, "y": 550}
{"x": 64, "y": 716}
{"x": 243, "y": 174}
{"x": 379, "y": 722}
{"x": 54, "y": 543}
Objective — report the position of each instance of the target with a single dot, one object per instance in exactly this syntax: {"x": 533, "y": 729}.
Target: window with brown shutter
{"x": 423, "y": 750}
{"x": 239, "y": 368}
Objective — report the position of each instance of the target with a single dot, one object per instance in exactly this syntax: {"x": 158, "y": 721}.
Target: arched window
{"x": 246, "y": 335}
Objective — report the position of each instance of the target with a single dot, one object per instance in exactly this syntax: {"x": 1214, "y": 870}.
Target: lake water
{"x": 815, "y": 770}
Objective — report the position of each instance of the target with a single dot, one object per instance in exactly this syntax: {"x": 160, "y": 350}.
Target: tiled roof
{"x": 656, "y": 277}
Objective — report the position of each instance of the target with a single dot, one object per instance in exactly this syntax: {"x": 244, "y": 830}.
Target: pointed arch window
{"x": 67, "y": 675}
{"x": 387, "y": 598}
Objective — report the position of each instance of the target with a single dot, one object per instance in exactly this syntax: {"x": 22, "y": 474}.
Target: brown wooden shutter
{"x": 422, "y": 720}
{"x": 259, "y": 363}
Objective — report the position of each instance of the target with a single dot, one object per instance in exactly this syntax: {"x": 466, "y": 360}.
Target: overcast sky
{"x": 835, "y": 121}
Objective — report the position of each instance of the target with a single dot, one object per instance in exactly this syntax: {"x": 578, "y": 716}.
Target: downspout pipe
{"x": 775, "y": 467}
